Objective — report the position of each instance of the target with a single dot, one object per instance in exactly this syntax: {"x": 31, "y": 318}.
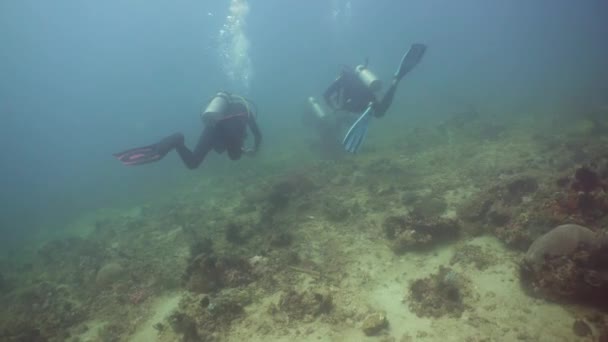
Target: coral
{"x": 200, "y": 317}
{"x": 185, "y": 326}
{"x": 583, "y": 197}
{"x": 413, "y": 233}
{"x": 225, "y": 307}
{"x": 72, "y": 261}
{"x": 374, "y": 323}
{"x": 518, "y": 209}
{"x": 439, "y": 294}
{"x": 586, "y": 180}
{"x": 518, "y": 188}
{"x": 562, "y": 240}
{"x": 514, "y": 234}
{"x": 109, "y": 274}
{"x": 42, "y": 311}
{"x": 305, "y": 305}
{"x": 138, "y": 295}
{"x": 208, "y": 273}
{"x": 568, "y": 263}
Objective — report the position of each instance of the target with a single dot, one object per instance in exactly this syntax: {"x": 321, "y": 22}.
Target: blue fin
{"x": 357, "y": 132}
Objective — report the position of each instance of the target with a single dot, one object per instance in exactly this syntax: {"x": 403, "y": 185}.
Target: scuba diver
{"x": 354, "y": 91}
{"x": 225, "y": 128}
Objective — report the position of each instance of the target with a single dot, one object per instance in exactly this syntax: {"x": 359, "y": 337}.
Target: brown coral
{"x": 415, "y": 233}
{"x": 439, "y": 294}
{"x": 568, "y": 263}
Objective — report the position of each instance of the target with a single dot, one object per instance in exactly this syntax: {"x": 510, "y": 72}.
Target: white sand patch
{"x": 379, "y": 281}
{"x": 162, "y": 308}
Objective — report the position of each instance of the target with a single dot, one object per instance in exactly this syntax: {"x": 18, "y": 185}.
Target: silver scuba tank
{"x": 218, "y": 104}
{"x": 316, "y": 108}
{"x": 216, "y": 108}
{"x": 368, "y": 78}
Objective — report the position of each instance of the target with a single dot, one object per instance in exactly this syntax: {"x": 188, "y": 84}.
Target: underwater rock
{"x": 580, "y": 328}
{"x": 305, "y": 305}
{"x": 109, "y": 274}
{"x": 439, "y": 294}
{"x": 568, "y": 263}
{"x": 374, "y": 323}
{"x": 412, "y": 233}
{"x": 560, "y": 241}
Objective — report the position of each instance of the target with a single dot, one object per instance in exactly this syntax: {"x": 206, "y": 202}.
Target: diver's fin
{"x": 411, "y": 58}
{"x": 139, "y": 155}
{"x": 357, "y": 132}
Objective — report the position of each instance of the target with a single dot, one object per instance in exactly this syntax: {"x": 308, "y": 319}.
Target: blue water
{"x": 80, "y": 80}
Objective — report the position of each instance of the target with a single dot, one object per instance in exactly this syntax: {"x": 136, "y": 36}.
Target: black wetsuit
{"x": 227, "y": 133}
{"x": 222, "y": 132}
{"x": 350, "y": 94}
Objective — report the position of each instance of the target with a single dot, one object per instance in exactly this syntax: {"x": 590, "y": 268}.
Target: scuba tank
{"x": 368, "y": 78}
{"x": 218, "y": 104}
{"x": 216, "y": 108}
{"x": 316, "y": 108}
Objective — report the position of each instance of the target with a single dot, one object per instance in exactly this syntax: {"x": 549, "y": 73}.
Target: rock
{"x": 581, "y": 328}
{"x": 109, "y": 274}
{"x": 568, "y": 263}
{"x": 374, "y": 323}
{"x": 562, "y": 240}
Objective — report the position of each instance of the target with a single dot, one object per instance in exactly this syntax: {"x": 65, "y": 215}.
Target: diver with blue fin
{"x": 225, "y": 120}
{"x": 354, "y": 91}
